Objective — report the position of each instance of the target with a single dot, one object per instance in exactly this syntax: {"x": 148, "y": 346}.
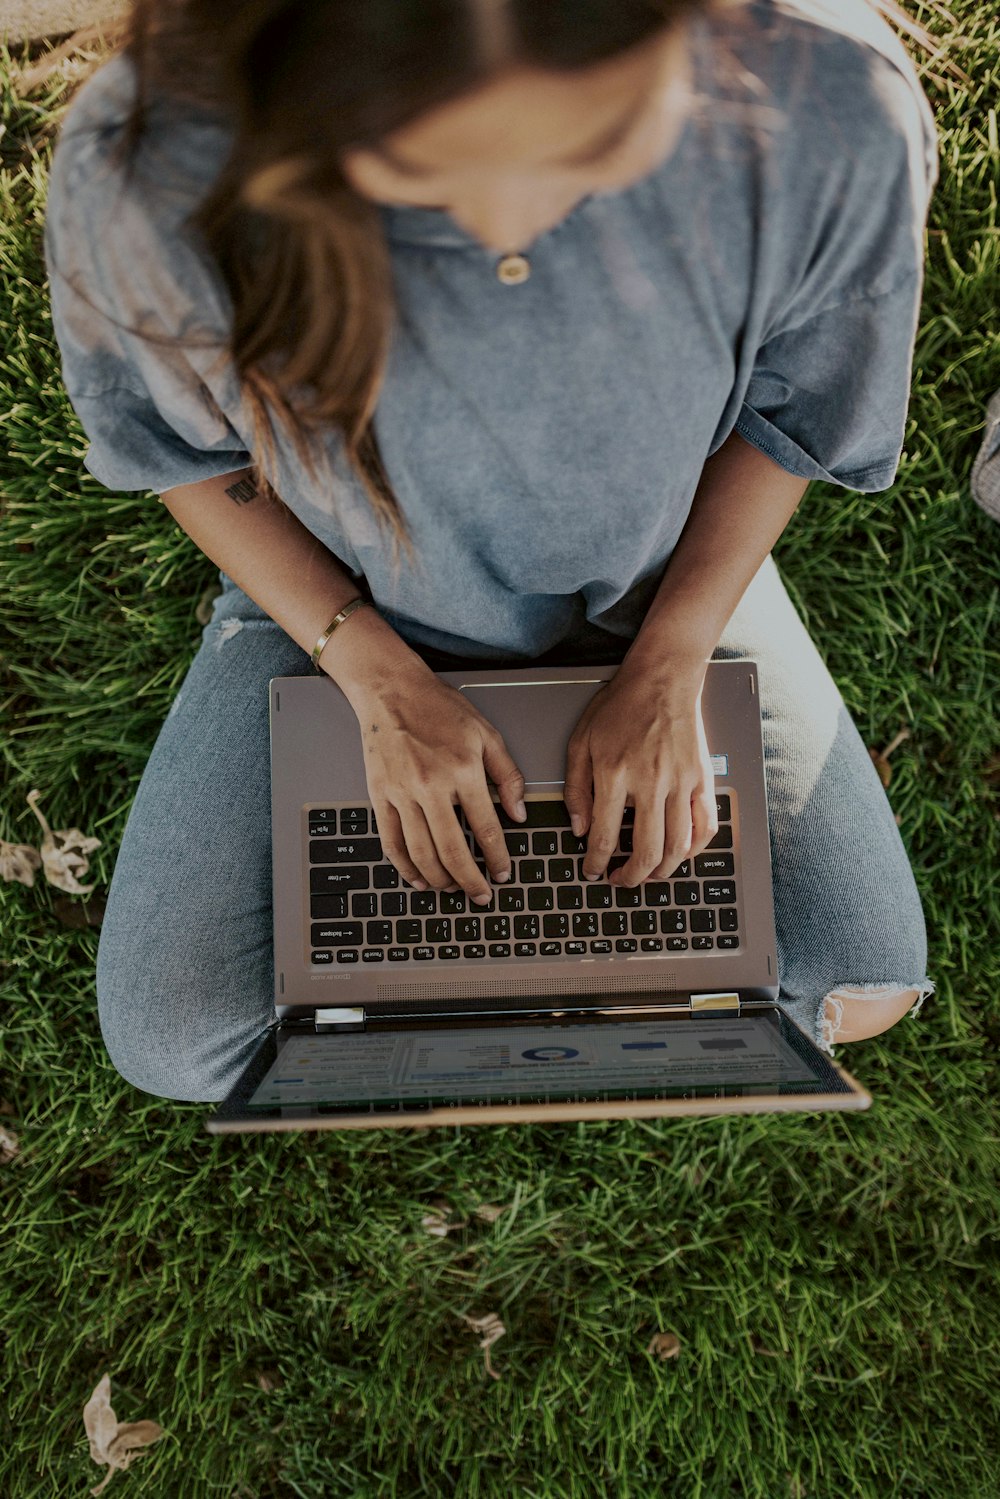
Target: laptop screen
{"x": 411, "y": 1065}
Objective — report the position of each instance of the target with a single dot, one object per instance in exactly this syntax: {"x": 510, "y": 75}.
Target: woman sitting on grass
{"x": 527, "y": 324}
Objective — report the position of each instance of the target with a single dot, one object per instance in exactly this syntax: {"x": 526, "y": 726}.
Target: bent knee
{"x": 856, "y": 1012}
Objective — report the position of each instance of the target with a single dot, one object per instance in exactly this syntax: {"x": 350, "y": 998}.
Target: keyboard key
{"x": 452, "y": 902}
{"x": 336, "y": 878}
{"x": 393, "y": 903}
{"x": 569, "y": 843}
{"x": 437, "y": 931}
{"x": 575, "y": 949}
{"x": 601, "y": 946}
{"x": 703, "y": 921}
{"x": 347, "y": 955}
{"x": 448, "y": 952}
{"x": 517, "y": 844}
{"x": 467, "y": 930}
{"x": 722, "y": 808}
{"x": 379, "y": 932}
{"x": 322, "y": 821}
{"x": 499, "y": 949}
{"x": 364, "y": 905}
{"x": 385, "y": 877}
{"x": 627, "y": 895}
{"x": 409, "y": 931}
{"x": 727, "y": 941}
{"x": 354, "y": 814}
{"x": 599, "y": 897}
{"x": 509, "y": 900}
{"x": 541, "y": 814}
{"x": 625, "y": 944}
{"x": 561, "y": 870}
{"x": 614, "y": 924}
{"x": 657, "y": 894}
{"x": 702, "y": 944}
{"x": 651, "y": 944}
{"x": 723, "y": 838}
{"x": 728, "y": 921}
{"x": 540, "y": 898}
{"x": 530, "y": 871}
{"x": 551, "y": 949}
{"x": 327, "y": 907}
{"x": 496, "y": 929}
{"x": 524, "y": 949}
{"x": 673, "y": 921}
{"x": 372, "y": 955}
{"x": 643, "y": 923}
{"x": 585, "y": 924}
{"x": 555, "y": 926}
{"x": 341, "y": 931}
{"x": 569, "y": 897}
{"x": 476, "y": 950}
{"x": 676, "y": 944}
{"x": 545, "y": 843}
{"x": 687, "y": 893}
{"x": 423, "y": 902}
{"x": 345, "y": 851}
{"x": 322, "y": 957}
{"x": 683, "y": 870}
{"x": 713, "y": 864}
{"x": 625, "y": 840}
{"x": 720, "y": 891}
{"x": 423, "y": 953}
{"x": 526, "y": 928}
{"x": 398, "y": 954}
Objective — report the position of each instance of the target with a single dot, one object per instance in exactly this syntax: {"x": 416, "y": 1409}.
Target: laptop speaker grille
{"x": 662, "y": 983}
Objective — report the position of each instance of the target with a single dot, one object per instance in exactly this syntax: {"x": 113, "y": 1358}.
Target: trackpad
{"x": 536, "y": 720}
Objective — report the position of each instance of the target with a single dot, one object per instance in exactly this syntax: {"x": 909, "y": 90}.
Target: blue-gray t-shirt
{"x": 545, "y": 439}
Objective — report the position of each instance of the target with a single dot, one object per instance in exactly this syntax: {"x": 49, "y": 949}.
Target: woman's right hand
{"x": 427, "y": 748}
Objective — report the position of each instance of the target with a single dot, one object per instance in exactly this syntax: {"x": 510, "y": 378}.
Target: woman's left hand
{"x": 641, "y": 742}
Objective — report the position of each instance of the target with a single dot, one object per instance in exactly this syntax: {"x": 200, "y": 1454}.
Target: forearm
{"x": 741, "y": 506}
{"x": 285, "y": 569}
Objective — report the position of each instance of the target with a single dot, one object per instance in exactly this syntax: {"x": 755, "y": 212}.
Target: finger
{"x": 648, "y": 836}
{"x": 577, "y": 793}
{"x": 390, "y": 832}
{"x": 481, "y": 814}
{"x": 677, "y": 840}
{"x": 421, "y": 846}
{"x": 506, "y": 777}
{"x": 609, "y": 804}
{"x": 453, "y": 850}
{"x": 704, "y": 817}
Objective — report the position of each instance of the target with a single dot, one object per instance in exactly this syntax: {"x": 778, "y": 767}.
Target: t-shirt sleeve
{"x": 829, "y": 390}
{"x": 122, "y": 285}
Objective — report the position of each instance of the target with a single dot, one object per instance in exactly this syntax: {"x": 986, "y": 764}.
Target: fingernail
{"x": 577, "y": 823}
{"x": 482, "y": 900}
{"x": 504, "y": 876}
{"x": 521, "y": 811}
{"x": 418, "y": 885}
{"x": 591, "y": 876}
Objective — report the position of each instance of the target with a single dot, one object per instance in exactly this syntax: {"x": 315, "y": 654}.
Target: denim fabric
{"x": 545, "y": 440}
{"x": 185, "y": 960}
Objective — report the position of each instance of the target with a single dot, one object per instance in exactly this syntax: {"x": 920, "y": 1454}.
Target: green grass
{"x": 276, "y": 1304}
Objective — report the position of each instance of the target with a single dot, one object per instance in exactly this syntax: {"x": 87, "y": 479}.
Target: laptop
{"x": 563, "y": 999}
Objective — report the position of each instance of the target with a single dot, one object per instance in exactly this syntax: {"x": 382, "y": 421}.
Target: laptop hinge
{"x": 715, "y": 1002}
{"x": 340, "y": 1020}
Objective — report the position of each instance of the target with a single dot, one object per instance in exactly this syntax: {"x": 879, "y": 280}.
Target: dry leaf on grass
{"x": 64, "y": 853}
{"x": 18, "y": 861}
{"x": 77, "y": 57}
{"x": 491, "y": 1328}
{"x": 664, "y": 1345}
{"x": 9, "y": 1145}
{"x": 112, "y": 1441}
{"x": 881, "y": 761}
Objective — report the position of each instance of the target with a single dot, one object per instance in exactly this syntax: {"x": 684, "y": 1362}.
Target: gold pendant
{"x": 513, "y": 269}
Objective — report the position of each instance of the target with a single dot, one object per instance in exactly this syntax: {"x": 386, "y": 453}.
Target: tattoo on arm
{"x": 242, "y": 492}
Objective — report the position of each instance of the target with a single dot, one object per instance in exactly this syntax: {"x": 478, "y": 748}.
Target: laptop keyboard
{"x": 363, "y": 911}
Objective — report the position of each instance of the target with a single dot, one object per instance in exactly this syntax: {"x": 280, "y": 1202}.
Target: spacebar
{"x": 547, "y": 814}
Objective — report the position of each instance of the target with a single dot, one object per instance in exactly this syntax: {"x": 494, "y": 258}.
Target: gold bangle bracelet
{"x": 338, "y": 619}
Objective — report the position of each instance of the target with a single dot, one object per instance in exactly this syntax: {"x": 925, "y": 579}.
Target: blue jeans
{"x": 185, "y": 962}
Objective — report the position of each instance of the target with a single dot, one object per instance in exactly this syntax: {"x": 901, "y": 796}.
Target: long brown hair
{"x": 301, "y": 252}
